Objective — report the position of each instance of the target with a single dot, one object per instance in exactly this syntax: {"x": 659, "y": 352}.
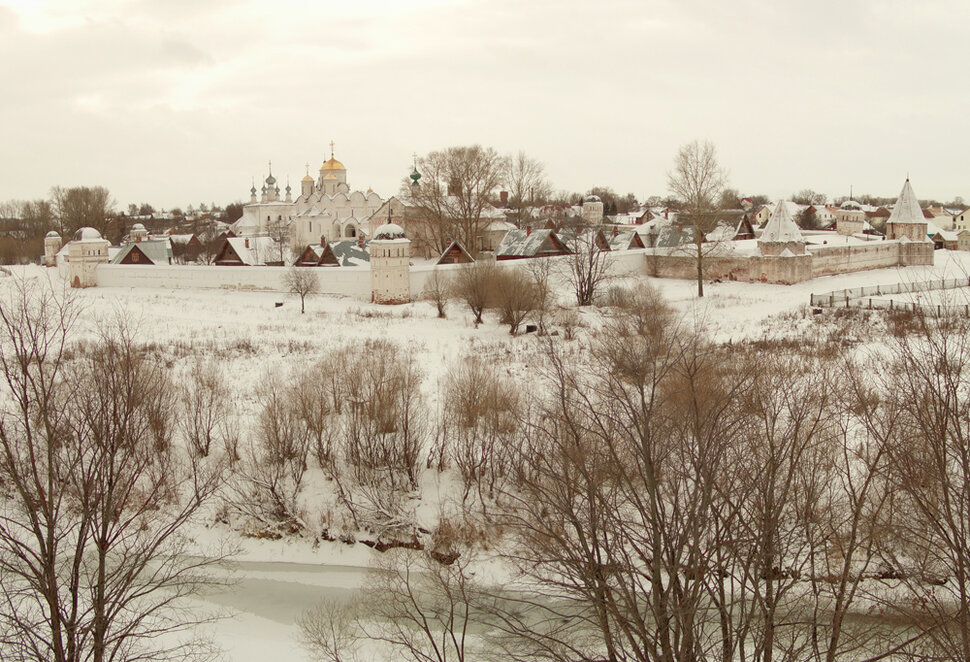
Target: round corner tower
{"x": 390, "y": 277}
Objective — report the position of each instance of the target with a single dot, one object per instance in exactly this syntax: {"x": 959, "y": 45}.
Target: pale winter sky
{"x": 175, "y": 102}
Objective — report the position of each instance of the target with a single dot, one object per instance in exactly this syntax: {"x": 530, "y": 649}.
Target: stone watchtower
{"x": 781, "y": 233}
{"x": 906, "y": 220}
{"x": 84, "y": 253}
{"x": 390, "y": 278}
{"x": 52, "y": 244}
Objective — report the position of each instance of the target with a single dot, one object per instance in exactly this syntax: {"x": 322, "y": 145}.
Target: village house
{"x": 145, "y": 252}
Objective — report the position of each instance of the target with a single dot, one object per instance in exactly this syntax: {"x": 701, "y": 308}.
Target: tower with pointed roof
{"x": 781, "y": 234}
{"x": 906, "y": 221}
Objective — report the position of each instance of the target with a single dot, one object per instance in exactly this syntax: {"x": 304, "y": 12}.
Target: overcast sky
{"x": 176, "y": 102}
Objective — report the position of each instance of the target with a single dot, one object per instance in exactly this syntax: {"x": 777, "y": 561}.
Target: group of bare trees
{"x": 93, "y": 558}
{"x": 520, "y": 293}
{"x": 458, "y": 187}
{"x": 663, "y": 497}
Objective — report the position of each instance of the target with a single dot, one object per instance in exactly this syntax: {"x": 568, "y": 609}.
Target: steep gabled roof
{"x": 250, "y": 251}
{"x": 455, "y": 254}
{"x": 906, "y": 209}
{"x": 781, "y": 226}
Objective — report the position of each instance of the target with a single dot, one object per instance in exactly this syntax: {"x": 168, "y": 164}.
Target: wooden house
{"x": 745, "y": 229}
{"x": 185, "y": 247}
{"x": 147, "y": 252}
{"x": 249, "y": 252}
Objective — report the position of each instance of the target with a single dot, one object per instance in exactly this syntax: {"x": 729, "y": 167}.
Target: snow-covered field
{"x": 253, "y": 337}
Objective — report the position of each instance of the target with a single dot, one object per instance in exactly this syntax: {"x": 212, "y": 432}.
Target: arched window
{"x": 351, "y": 231}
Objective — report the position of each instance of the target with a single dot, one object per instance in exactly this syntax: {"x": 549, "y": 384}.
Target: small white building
{"x": 592, "y": 210}
{"x": 52, "y": 244}
{"x": 85, "y": 252}
{"x": 390, "y": 253}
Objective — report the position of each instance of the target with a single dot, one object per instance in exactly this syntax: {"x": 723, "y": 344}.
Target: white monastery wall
{"x": 347, "y": 281}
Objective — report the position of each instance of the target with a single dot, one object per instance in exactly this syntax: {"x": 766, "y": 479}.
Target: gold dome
{"x": 332, "y": 164}
{"x": 308, "y": 178}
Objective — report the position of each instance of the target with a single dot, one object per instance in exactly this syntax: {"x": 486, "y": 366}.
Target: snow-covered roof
{"x": 623, "y": 240}
{"x": 499, "y": 226}
{"x": 87, "y": 234}
{"x": 389, "y": 231}
{"x": 350, "y": 253}
{"x": 527, "y": 243}
{"x": 906, "y": 209}
{"x": 180, "y": 238}
{"x": 255, "y": 251}
{"x": 723, "y": 232}
{"x": 52, "y": 234}
{"x": 781, "y": 226}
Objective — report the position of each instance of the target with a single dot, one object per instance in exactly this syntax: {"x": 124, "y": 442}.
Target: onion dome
{"x": 87, "y": 234}
{"x": 270, "y": 181}
{"x": 332, "y": 164}
{"x": 389, "y": 231}
{"x": 307, "y": 178}
{"x": 415, "y": 176}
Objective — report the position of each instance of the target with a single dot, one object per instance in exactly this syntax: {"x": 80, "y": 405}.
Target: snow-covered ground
{"x": 252, "y": 337}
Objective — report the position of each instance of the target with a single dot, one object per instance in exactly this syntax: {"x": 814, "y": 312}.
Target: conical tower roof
{"x": 780, "y": 226}
{"x": 906, "y": 209}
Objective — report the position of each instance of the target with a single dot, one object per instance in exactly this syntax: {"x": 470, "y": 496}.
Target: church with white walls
{"x": 325, "y": 207}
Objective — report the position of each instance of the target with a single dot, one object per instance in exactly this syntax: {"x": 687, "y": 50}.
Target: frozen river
{"x": 265, "y": 601}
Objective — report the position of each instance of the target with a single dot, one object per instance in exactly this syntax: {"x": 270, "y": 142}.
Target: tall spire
{"x": 331, "y": 148}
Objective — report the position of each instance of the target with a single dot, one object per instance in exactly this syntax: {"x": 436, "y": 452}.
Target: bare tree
{"x": 515, "y": 296}
{"x": 270, "y": 479}
{"x": 481, "y": 422}
{"x": 438, "y": 289}
{"x": 928, "y": 448}
{"x": 93, "y": 561}
{"x": 525, "y": 180}
{"x": 697, "y": 180}
{"x": 453, "y": 196}
{"x": 541, "y": 272}
{"x": 474, "y": 284}
{"x": 301, "y": 281}
{"x": 614, "y": 507}
{"x": 418, "y": 608}
{"x": 588, "y": 266}
{"x": 206, "y": 408}
{"x": 329, "y": 631}
{"x": 79, "y": 206}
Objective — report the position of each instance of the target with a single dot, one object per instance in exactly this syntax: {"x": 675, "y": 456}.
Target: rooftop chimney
{"x": 528, "y": 230}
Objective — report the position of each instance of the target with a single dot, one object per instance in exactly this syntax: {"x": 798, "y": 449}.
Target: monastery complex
{"x": 367, "y": 246}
